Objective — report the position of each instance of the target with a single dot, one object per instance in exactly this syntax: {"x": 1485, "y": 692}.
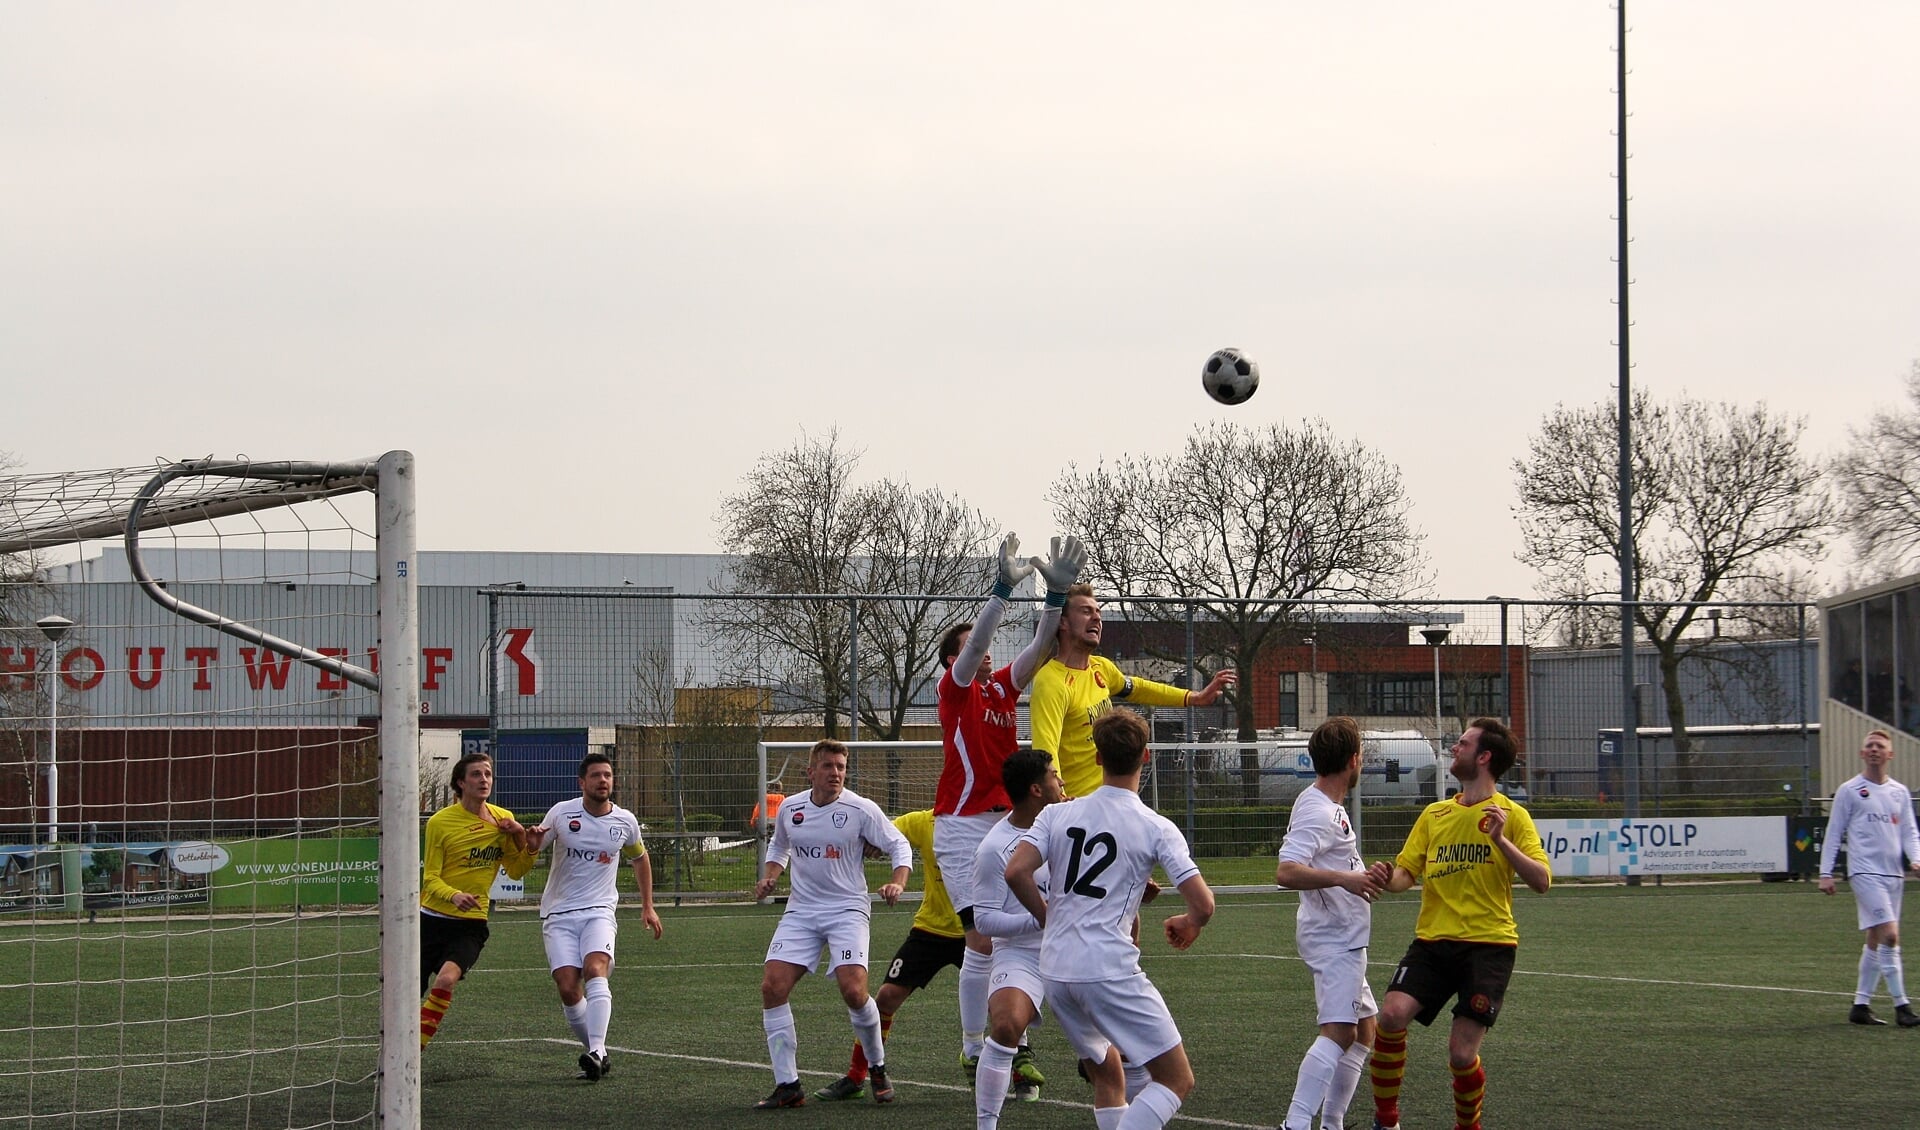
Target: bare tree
{"x": 1239, "y": 516}
{"x": 1879, "y": 477}
{"x": 1725, "y": 508}
{"x": 802, "y": 526}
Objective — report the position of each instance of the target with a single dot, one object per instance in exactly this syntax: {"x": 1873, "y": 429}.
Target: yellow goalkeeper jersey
{"x": 1064, "y": 704}
{"x": 1466, "y": 884}
{"x": 462, "y": 853}
{"x": 936, "y": 914}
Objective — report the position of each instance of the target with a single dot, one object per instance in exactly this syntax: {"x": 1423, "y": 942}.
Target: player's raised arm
{"x": 1060, "y": 569}
{"x": 1009, "y": 570}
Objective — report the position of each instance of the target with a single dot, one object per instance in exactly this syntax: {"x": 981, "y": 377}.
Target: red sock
{"x": 1469, "y": 1087}
{"x": 433, "y": 1009}
{"x": 1388, "y": 1064}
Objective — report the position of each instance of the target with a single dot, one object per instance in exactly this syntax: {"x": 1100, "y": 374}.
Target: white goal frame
{"x": 257, "y": 486}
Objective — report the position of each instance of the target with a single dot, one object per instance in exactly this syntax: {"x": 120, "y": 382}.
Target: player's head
{"x": 1335, "y": 747}
{"x": 1120, "y": 741}
{"x": 1080, "y": 619}
{"x": 827, "y": 768}
{"x": 596, "y": 776}
{"x": 472, "y": 776}
{"x": 954, "y": 640}
{"x": 1877, "y": 748}
{"x": 1486, "y": 746}
{"x": 1029, "y": 775}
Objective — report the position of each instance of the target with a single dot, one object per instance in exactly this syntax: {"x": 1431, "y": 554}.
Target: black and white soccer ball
{"x": 1230, "y": 376}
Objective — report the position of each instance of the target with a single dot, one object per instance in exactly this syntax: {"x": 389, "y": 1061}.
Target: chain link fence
{"x": 708, "y": 702}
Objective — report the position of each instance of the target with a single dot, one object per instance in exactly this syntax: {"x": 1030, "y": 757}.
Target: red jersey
{"x": 977, "y": 733}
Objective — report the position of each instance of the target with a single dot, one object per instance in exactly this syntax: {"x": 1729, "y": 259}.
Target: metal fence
{"x": 688, "y": 691}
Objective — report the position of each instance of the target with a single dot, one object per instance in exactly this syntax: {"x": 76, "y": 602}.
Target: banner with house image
{"x": 232, "y": 875}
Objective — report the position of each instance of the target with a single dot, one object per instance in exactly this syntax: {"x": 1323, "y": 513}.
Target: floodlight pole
{"x": 1436, "y": 637}
{"x": 55, "y": 628}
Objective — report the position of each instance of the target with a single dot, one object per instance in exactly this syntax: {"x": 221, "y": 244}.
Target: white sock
{"x": 576, "y": 1014}
{"x": 1890, "y": 972}
{"x": 1137, "y": 1079}
{"x": 599, "y": 1004}
{"x": 976, "y": 972}
{"x": 1312, "y": 1082}
{"x": 866, "y": 1029}
{"x": 1108, "y": 1117}
{"x": 783, "y": 1044}
{"x": 1155, "y": 1107}
{"x": 1869, "y": 975}
{"x": 990, "y": 1083}
{"x": 1346, "y": 1080}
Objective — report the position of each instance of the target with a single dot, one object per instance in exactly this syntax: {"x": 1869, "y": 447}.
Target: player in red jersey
{"x": 977, "y": 725}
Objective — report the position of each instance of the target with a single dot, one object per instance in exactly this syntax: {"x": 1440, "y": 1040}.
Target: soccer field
{"x": 1682, "y": 1006}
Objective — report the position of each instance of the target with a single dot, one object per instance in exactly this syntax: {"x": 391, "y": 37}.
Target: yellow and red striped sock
{"x": 1389, "y": 1063}
{"x": 433, "y": 1009}
{"x": 1469, "y": 1087}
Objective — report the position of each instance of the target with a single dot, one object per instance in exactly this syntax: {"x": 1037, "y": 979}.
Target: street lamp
{"x": 1436, "y": 637}
{"x": 1313, "y": 672}
{"x": 55, "y": 628}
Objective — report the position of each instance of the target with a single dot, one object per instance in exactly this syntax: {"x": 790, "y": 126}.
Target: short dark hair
{"x": 1497, "y": 740}
{"x": 1333, "y": 744}
{"x": 460, "y": 769}
{"x": 950, "y": 642}
{"x": 1121, "y": 737}
{"x": 1023, "y": 769}
{"x": 597, "y": 757}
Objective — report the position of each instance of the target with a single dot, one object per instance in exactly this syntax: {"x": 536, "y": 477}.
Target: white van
{"x": 1400, "y": 767}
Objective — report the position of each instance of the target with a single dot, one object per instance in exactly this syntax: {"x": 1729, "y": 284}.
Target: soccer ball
{"x": 1230, "y": 376}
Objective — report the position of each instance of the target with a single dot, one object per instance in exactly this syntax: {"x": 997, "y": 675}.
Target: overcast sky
{"x": 589, "y": 262}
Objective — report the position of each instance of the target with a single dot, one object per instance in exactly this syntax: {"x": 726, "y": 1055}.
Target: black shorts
{"x": 1476, "y": 972}
{"x": 921, "y": 956}
{"x": 458, "y": 940}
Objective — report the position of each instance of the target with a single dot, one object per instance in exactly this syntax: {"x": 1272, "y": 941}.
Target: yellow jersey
{"x": 1064, "y": 704}
{"x": 461, "y": 854}
{"x": 1466, "y": 884}
{"x": 936, "y": 914}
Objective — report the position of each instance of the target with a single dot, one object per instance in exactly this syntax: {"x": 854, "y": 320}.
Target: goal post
{"x": 188, "y": 754}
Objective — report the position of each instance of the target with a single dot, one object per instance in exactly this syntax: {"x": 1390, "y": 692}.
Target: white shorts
{"x": 1128, "y": 1012}
{"x": 1018, "y": 969}
{"x": 956, "y": 840}
{"x": 1340, "y": 990}
{"x": 573, "y": 934}
{"x": 1877, "y": 898}
{"x": 800, "y": 937}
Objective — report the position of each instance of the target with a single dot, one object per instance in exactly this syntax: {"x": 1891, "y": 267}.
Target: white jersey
{"x": 1320, "y": 835}
{"x": 1876, "y": 821}
{"x": 821, "y": 846}
{"x": 997, "y": 912}
{"x": 587, "y": 853}
{"x": 1100, "y": 850}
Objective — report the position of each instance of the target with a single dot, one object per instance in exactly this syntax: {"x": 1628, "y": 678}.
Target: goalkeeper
{"x": 466, "y": 843}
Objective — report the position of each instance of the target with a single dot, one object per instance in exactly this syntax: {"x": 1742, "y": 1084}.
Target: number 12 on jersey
{"x": 1095, "y": 853}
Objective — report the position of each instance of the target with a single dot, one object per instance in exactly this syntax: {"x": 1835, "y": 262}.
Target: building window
{"x": 1409, "y": 695}
{"x": 1290, "y": 700}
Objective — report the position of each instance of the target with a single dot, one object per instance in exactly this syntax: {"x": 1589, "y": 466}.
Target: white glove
{"x": 1012, "y": 568}
{"x": 1061, "y": 567}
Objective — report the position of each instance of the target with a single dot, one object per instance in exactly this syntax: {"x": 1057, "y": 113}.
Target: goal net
{"x": 208, "y": 717}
